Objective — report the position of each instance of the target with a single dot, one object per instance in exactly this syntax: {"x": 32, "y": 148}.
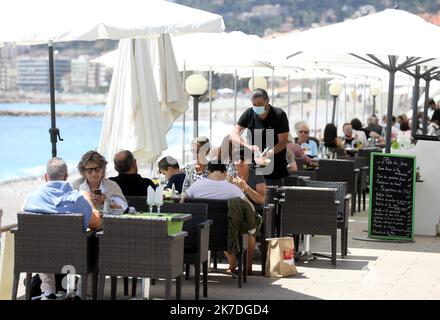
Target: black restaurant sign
{"x": 392, "y": 194}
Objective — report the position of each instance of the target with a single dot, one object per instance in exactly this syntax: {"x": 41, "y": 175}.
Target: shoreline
{"x": 23, "y": 113}
{"x": 60, "y": 98}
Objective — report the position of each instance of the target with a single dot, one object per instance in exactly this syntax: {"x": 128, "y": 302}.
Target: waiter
{"x": 268, "y": 132}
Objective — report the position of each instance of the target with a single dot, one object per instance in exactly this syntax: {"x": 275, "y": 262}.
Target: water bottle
{"x": 107, "y": 208}
{"x": 188, "y": 180}
{"x": 321, "y": 151}
{"x": 231, "y": 170}
{"x": 173, "y": 190}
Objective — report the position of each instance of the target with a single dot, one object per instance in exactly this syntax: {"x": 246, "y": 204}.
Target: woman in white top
{"x": 357, "y": 133}
{"x": 92, "y": 169}
{"x": 404, "y": 135}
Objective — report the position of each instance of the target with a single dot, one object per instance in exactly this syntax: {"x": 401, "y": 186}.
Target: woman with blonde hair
{"x": 92, "y": 169}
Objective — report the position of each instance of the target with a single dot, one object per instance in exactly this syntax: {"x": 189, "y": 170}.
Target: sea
{"x": 25, "y": 142}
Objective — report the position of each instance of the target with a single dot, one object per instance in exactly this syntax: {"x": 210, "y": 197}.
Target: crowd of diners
{"x": 238, "y": 168}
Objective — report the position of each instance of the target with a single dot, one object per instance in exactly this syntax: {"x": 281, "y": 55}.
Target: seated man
{"x": 128, "y": 179}
{"x": 308, "y": 146}
{"x": 169, "y": 167}
{"x": 348, "y": 135}
{"x": 215, "y": 186}
{"x": 57, "y": 196}
{"x": 298, "y": 153}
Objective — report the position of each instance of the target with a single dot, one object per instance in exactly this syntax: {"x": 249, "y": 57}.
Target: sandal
{"x": 231, "y": 271}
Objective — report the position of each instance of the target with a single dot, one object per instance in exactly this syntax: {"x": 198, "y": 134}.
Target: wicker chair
{"x": 310, "y": 211}
{"x": 47, "y": 243}
{"x": 343, "y": 207}
{"x": 196, "y": 243}
{"x": 138, "y": 202}
{"x": 218, "y": 236}
{"x": 140, "y": 248}
{"x": 343, "y": 171}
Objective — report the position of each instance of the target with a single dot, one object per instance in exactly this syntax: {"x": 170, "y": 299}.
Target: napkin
{"x": 159, "y": 195}
{"x": 151, "y": 196}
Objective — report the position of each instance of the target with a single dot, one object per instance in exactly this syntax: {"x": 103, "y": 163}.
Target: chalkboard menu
{"x": 392, "y": 188}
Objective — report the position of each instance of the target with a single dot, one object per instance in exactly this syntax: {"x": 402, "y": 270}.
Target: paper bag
{"x": 280, "y": 257}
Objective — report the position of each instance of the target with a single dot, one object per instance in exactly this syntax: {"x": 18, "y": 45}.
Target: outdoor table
{"x": 174, "y": 223}
{"x": 175, "y": 220}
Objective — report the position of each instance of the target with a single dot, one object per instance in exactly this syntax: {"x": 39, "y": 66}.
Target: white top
{"x": 114, "y": 198}
{"x": 212, "y": 189}
{"x": 360, "y": 136}
{"x": 404, "y": 137}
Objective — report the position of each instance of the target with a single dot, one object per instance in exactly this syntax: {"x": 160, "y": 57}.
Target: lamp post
{"x": 375, "y": 90}
{"x": 257, "y": 82}
{"x": 196, "y": 85}
{"x": 335, "y": 90}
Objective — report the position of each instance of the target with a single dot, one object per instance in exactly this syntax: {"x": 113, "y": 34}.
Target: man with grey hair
{"x": 373, "y": 129}
{"x": 308, "y": 146}
{"x": 57, "y": 196}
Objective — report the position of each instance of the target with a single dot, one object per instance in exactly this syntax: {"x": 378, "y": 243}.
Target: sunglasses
{"x": 90, "y": 170}
{"x": 302, "y": 131}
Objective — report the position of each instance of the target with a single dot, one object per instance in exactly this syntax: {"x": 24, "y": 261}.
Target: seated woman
{"x": 92, "y": 169}
{"x": 197, "y": 169}
{"x": 254, "y": 187}
{"x": 358, "y": 132}
{"x": 331, "y": 140}
{"x": 404, "y": 135}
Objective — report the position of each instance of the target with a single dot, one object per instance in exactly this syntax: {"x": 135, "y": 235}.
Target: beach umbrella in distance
{"x": 28, "y": 22}
{"x": 394, "y": 40}
{"x": 132, "y": 118}
{"x": 140, "y": 110}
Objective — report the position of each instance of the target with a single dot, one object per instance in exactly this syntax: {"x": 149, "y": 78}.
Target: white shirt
{"x": 360, "y": 136}
{"x": 213, "y": 189}
{"x": 404, "y": 137}
{"x": 114, "y": 198}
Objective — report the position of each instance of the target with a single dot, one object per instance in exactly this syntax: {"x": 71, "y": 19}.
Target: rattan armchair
{"x": 48, "y": 243}
{"x": 343, "y": 171}
{"x": 197, "y": 241}
{"x": 343, "y": 207}
{"x": 310, "y": 211}
{"x": 140, "y": 248}
{"x": 218, "y": 236}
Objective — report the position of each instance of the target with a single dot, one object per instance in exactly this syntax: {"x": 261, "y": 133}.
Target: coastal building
{"x": 8, "y": 76}
{"x": 33, "y": 73}
{"x": 78, "y": 74}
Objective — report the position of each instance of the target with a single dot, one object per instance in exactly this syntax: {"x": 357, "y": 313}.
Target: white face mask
{"x": 258, "y": 110}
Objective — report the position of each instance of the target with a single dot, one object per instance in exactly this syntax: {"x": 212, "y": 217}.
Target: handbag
{"x": 280, "y": 260}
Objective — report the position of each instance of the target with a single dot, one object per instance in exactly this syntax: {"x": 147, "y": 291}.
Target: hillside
{"x": 263, "y": 17}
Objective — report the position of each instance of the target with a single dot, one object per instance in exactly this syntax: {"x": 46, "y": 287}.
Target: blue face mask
{"x": 258, "y": 110}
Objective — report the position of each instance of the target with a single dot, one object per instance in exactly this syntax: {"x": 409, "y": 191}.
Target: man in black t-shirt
{"x": 268, "y": 130}
{"x": 130, "y": 182}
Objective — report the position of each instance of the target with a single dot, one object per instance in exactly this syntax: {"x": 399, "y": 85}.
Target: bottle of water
{"x": 231, "y": 170}
{"x": 107, "y": 208}
{"x": 188, "y": 180}
{"x": 321, "y": 151}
